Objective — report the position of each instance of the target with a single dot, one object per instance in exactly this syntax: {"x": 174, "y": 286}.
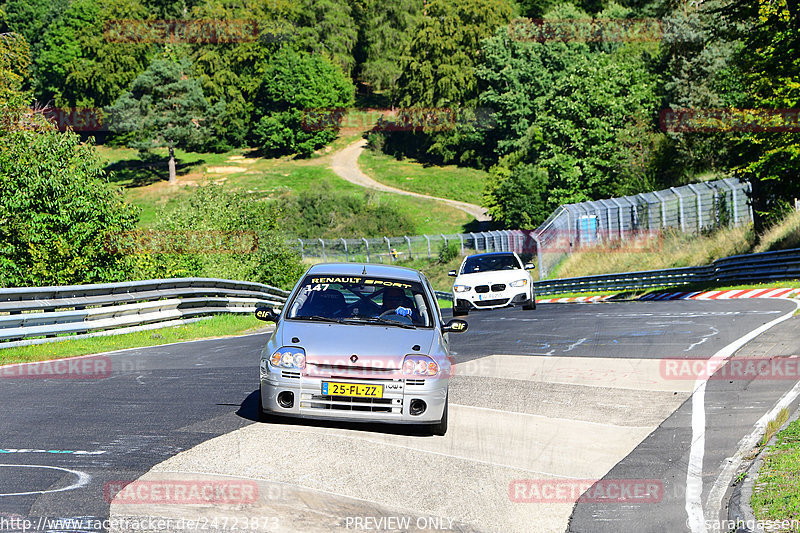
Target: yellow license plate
{"x": 352, "y": 389}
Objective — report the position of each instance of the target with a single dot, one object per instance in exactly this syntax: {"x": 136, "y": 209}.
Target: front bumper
{"x": 394, "y": 406}
{"x": 473, "y": 300}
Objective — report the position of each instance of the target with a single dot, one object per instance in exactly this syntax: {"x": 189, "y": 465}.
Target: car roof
{"x": 359, "y": 269}
{"x": 491, "y": 253}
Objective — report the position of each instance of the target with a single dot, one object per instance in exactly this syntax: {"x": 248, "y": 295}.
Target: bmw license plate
{"x": 360, "y": 390}
{"x": 490, "y": 296}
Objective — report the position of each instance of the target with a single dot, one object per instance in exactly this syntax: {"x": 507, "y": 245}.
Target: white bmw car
{"x": 492, "y": 280}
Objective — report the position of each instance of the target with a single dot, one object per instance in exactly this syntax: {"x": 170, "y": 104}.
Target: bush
{"x": 57, "y": 211}
{"x": 255, "y": 249}
{"x": 323, "y": 213}
{"x": 448, "y": 252}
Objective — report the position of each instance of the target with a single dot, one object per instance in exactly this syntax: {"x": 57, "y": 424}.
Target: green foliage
{"x": 386, "y": 29}
{"x": 214, "y": 209}
{"x": 518, "y": 198}
{"x": 440, "y": 68}
{"x": 57, "y": 211}
{"x": 448, "y": 252}
{"x": 294, "y": 83}
{"x": 14, "y": 61}
{"x": 328, "y": 27}
{"x": 165, "y": 107}
{"x": 325, "y": 213}
{"x": 77, "y": 65}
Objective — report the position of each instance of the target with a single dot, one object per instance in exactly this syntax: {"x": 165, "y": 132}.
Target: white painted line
{"x": 714, "y": 501}
{"x": 694, "y": 472}
{"x": 83, "y": 479}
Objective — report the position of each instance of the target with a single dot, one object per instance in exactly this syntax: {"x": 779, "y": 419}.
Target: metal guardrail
{"x": 765, "y": 266}
{"x": 93, "y": 309}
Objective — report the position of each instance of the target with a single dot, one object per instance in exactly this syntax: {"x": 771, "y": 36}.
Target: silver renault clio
{"x": 359, "y": 342}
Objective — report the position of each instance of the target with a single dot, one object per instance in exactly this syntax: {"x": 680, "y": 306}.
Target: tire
{"x": 460, "y": 311}
{"x": 531, "y": 305}
{"x": 441, "y": 428}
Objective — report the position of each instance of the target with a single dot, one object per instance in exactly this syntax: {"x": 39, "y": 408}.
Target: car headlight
{"x": 289, "y": 357}
{"x": 420, "y": 365}
{"x": 519, "y": 283}
{"x": 461, "y": 288}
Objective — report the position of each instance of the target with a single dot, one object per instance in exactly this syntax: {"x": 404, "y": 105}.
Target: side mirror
{"x": 452, "y": 274}
{"x": 456, "y": 325}
{"x": 529, "y": 266}
{"x": 267, "y": 314}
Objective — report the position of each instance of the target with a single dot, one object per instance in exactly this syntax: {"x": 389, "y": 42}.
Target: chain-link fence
{"x": 637, "y": 220}
{"x": 640, "y": 218}
{"x": 391, "y": 249}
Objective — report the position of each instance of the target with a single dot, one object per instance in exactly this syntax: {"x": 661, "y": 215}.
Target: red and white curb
{"x": 724, "y": 295}
{"x": 699, "y": 295}
{"x": 590, "y": 299}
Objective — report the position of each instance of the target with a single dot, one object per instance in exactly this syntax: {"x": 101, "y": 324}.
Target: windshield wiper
{"x": 319, "y": 318}
{"x": 379, "y": 320}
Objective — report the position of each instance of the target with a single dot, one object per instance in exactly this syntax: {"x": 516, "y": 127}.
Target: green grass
{"x": 145, "y": 183}
{"x": 453, "y": 182}
{"x": 776, "y": 492}
{"x": 217, "y": 326}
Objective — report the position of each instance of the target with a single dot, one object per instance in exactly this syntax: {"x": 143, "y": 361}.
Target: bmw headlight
{"x": 419, "y": 365}
{"x": 461, "y": 288}
{"x": 289, "y": 357}
{"x": 519, "y": 283}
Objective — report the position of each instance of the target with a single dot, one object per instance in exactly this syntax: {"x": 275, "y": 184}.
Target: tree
{"x": 165, "y": 107}
{"x": 327, "y": 27}
{"x": 57, "y": 210}
{"x": 770, "y": 61}
{"x": 77, "y": 64}
{"x": 386, "y": 29}
{"x": 295, "y": 85}
{"x": 439, "y": 70}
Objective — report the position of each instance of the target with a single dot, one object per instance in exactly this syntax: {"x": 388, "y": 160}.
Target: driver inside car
{"x": 395, "y": 300}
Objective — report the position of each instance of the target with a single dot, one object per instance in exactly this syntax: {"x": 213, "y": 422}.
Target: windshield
{"x": 487, "y": 263}
{"x": 361, "y": 299}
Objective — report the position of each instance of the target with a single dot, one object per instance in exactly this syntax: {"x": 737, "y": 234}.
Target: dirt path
{"x": 345, "y": 164}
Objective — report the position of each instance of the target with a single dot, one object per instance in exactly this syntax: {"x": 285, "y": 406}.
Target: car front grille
{"x": 290, "y": 375}
{"x": 498, "y": 287}
{"x": 480, "y": 289}
{"x": 348, "y": 403}
{"x": 489, "y": 303}
{"x": 415, "y": 382}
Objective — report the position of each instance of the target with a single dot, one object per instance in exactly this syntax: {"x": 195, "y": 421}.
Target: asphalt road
{"x": 566, "y": 392}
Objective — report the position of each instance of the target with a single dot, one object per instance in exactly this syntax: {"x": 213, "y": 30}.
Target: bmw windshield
{"x": 356, "y": 299}
{"x": 488, "y": 263}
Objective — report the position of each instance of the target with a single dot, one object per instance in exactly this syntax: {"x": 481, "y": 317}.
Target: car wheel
{"x": 441, "y": 428}
{"x": 460, "y": 311}
{"x": 531, "y": 305}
